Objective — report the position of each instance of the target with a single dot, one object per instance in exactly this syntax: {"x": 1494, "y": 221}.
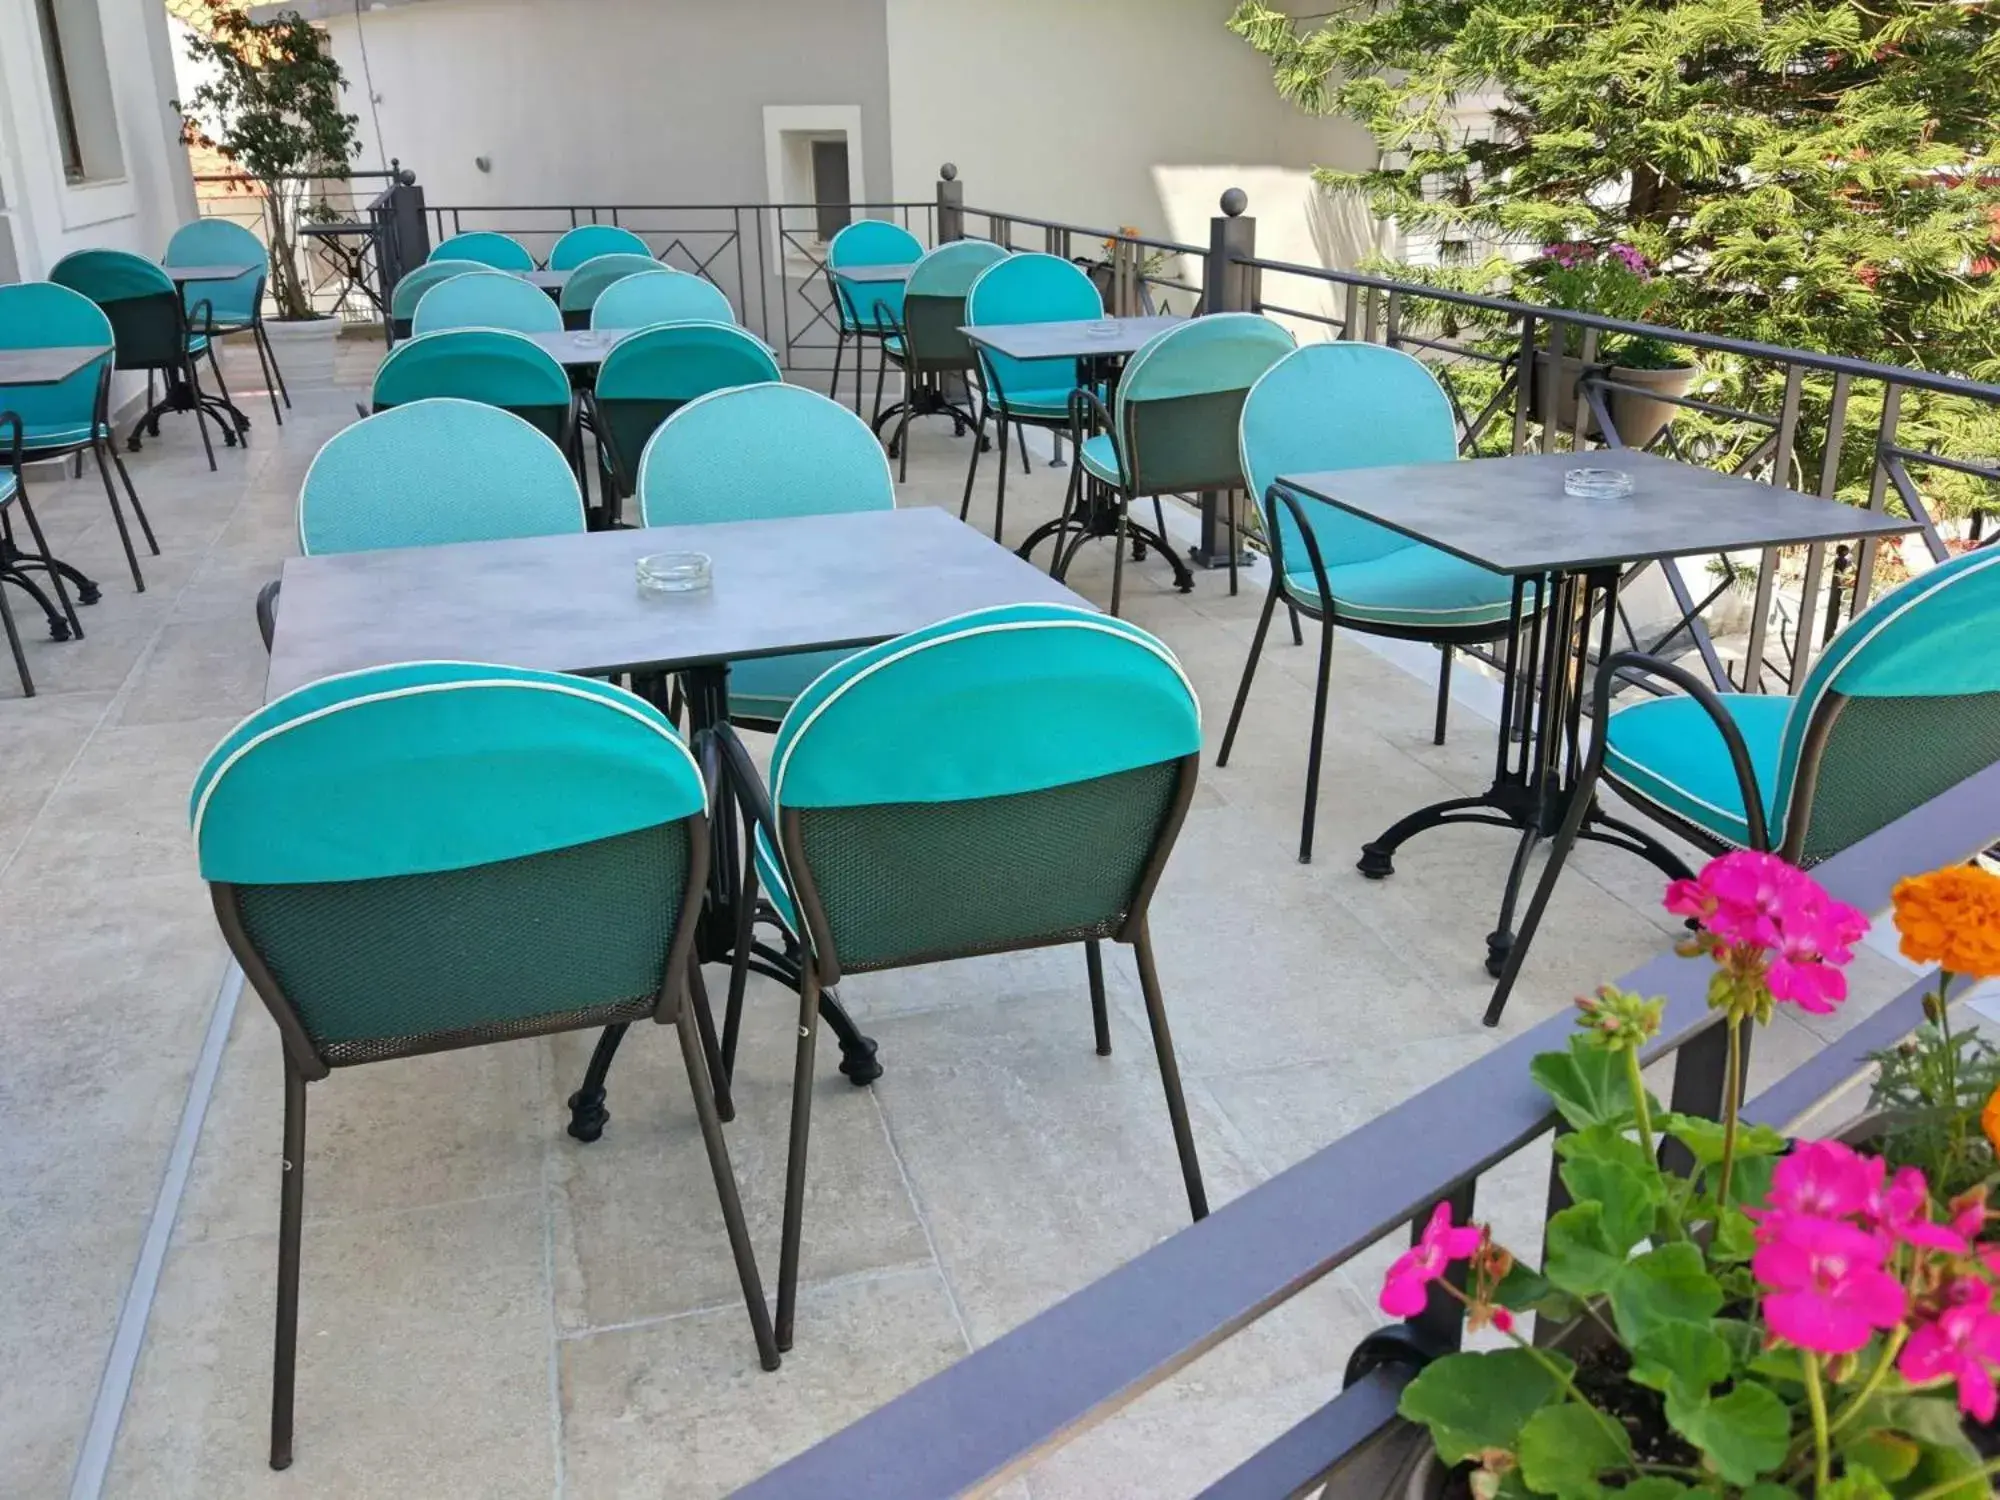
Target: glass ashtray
{"x": 674, "y": 573}
{"x": 1104, "y": 328}
{"x": 1597, "y": 484}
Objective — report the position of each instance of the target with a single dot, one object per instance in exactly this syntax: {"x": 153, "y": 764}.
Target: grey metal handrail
{"x": 999, "y": 1410}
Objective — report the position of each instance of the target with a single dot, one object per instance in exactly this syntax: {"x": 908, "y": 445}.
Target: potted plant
{"x": 1786, "y": 1320}
{"x": 270, "y": 103}
{"x": 1611, "y": 281}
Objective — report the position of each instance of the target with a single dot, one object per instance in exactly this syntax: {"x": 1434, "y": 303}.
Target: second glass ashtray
{"x": 673, "y": 573}
{"x": 1597, "y": 484}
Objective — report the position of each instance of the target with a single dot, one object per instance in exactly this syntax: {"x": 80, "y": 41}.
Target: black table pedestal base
{"x": 184, "y": 396}
{"x": 15, "y": 565}
{"x": 1099, "y": 519}
{"x": 926, "y": 401}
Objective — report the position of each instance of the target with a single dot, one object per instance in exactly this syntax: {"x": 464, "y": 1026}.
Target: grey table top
{"x": 50, "y": 366}
{"x": 1082, "y": 338}
{"x": 900, "y": 271}
{"x": 571, "y": 604}
{"x": 1510, "y": 514}
{"x": 578, "y": 348}
{"x": 548, "y": 281}
{"x": 181, "y": 275}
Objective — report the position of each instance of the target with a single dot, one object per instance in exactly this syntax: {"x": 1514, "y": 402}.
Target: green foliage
{"x": 1472, "y": 1402}
{"x": 272, "y": 105}
{"x": 1935, "y": 1085}
{"x": 1564, "y": 1450}
{"x": 1817, "y": 174}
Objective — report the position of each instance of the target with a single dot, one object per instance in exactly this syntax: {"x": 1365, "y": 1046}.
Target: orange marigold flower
{"x": 1989, "y": 1121}
{"x": 1951, "y": 918}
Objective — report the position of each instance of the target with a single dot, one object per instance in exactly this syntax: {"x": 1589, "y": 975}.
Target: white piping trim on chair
{"x": 1080, "y": 621}
{"x": 418, "y": 690}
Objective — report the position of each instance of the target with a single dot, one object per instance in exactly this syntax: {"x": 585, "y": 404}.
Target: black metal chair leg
{"x": 839, "y": 352}
{"x": 1118, "y": 540}
{"x": 704, "y": 1020}
{"x": 55, "y": 572}
{"x": 138, "y": 510}
{"x": 1072, "y": 499}
{"x": 881, "y": 371}
{"x": 1249, "y": 671}
{"x": 231, "y": 418}
{"x": 1501, "y": 939}
{"x": 118, "y": 515}
{"x": 1566, "y": 836}
{"x": 1020, "y": 436}
{"x": 200, "y": 416}
{"x": 14, "y": 644}
{"x": 972, "y": 464}
{"x": 1170, "y": 1073}
{"x": 271, "y": 354}
{"x": 270, "y": 384}
{"x": 739, "y": 958}
{"x": 1229, "y": 500}
{"x": 1318, "y": 736}
{"x": 1298, "y": 636}
{"x": 903, "y": 432}
{"x": 701, "y": 1086}
{"x": 1444, "y": 694}
{"x": 291, "y": 1216}
{"x": 1000, "y": 496}
{"x": 587, "y": 1113}
{"x": 795, "y": 1164}
{"x": 1100, "y": 1015}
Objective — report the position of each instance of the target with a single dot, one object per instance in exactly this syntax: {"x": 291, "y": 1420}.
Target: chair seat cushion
{"x": 1046, "y": 403}
{"x": 1411, "y": 588}
{"x": 1669, "y": 751}
{"x": 8, "y": 484}
{"x": 894, "y": 345}
{"x": 764, "y": 686}
{"x": 771, "y": 881}
{"x": 37, "y": 436}
{"x": 198, "y": 342}
{"x": 1100, "y": 459}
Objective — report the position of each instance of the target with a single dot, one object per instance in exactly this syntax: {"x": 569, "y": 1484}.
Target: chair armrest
{"x": 1086, "y": 406}
{"x": 750, "y": 792}
{"x": 207, "y": 310}
{"x": 17, "y": 445}
{"x": 1273, "y": 497}
{"x": 884, "y": 316}
{"x": 267, "y": 611}
{"x": 1621, "y": 663}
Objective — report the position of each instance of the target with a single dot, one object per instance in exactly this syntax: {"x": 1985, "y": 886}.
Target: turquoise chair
{"x": 651, "y": 374}
{"x": 589, "y": 241}
{"x": 234, "y": 306}
{"x": 661, "y": 295}
{"x": 929, "y": 342}
{"x": 437, "y": 855}
{"x": 1024, "y": 392}
{"x": 866, "y": 310}
{"x": 1011, "y": 778}
{"x": 489, "y": 365}
{"x": 410, "y": 289}
{"x": 1901, "y": 706}
{"x": 763, "y": 453}
{"x": 155, "y": 332}
{"x": 501, "y": 252}
{"x": 486, "y": 299}
{"x": 72, "y": 417}
{"x": 588, "y": 282}
{"x": 1355, "y": 406}
{"x": 1171, "y": 430}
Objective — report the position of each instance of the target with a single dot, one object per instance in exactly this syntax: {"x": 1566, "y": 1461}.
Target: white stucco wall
{"x": 1115, "y": 112}
{"x": 48, "y": 217}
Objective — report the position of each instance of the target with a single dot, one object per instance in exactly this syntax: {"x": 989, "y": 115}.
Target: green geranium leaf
{"x": 1666, "y": 1285}
{"x": 1703, "y": 1138}
{"x": 1587, "y": 1085}
{"x": 1580, "y": 1255}
{"x": 1857, "y": 1483}
{"x": 1735, "y": 1238}
{"x": 1683, "y": 1360}
{"x": 1565, "y": 1448}
{"x": 1657, "y": 1487}
{"x": 1527, "y": 1290}
{"x": 1931, "y": 1417}
{"x": 1630, "y": 1199}
{"x": 1475, "y": 1401}
{"x": 1744, "y": 1433}
{"x": 1768, "y": 1491}
{"x": 1889, "y": 1455}
{"x": 1938, "y": 1466}
{"x": 1781, "y": 1364}
{"x": 1745, "y": 1340}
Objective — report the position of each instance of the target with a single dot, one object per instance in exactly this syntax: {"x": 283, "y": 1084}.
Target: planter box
{"x": 1638, "y": 417}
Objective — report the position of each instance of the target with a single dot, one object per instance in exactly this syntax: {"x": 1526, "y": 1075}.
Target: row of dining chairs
{"x": 438, "y": 855}
{"x": 505, "y": 253}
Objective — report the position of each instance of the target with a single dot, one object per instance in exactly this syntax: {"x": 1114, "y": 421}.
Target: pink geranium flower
{"x": 1901, "y": 1207}
{"x": 1961, "y": 1344}
{"x": 1403, "y": 1288}
{"x": 1827, "y": 1290}
{"x": 1819, "y": 1180}
{"x": 1758, "y": 907}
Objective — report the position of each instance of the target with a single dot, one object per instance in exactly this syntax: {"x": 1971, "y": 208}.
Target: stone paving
{"x": 491, "y": 1309}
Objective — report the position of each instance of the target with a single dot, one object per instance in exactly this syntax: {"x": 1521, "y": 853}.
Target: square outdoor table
{"x": 50, "y": 366}
{"x": 182, "y": 275}
{"x": 571, "y": 604}
{"x": 180, "y": 394}
{"x": 577, "y": 348}
{"x": 899, "y": 271}
{"x": 1510, "y": 516}
{"x": 549, "y": 281}
{"x": 1075, "y": 338}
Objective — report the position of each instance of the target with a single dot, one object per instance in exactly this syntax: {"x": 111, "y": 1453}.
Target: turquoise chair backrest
{"x": 486, "y": 299}
{"x": 144, "y": 306}
{"x": 588, "y": 281}
{"x": 588, "y": 241}
{"x": 934, "y": 305}
{"x": 222, "y": 242}
{"x": 501, "y": 252}
{"x": 436, "y": 471}
{"x": 42, "y": 315}
{"x": 1901, "y": 706}
{"x": 414, "y": 283}
{"x": 661, "y": 295}
{"x": 1340, "y": 406}
{"x": 651, "y": 374}
{"x": 1030, "y": 289}
{"x": 425, "y": 767}
{"x": 950, "y": 270}
{"x": 760, "y": 453}
{"x": 1005, "y": 777}
{"x": 870, "y": 242}
{"x": 1180, "y": 402}
{"x": 488, "y": 365}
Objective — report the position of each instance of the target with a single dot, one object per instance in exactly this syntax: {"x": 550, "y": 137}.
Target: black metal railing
{"x": 767, "y": 258}
{"x": 992, "y": 1416}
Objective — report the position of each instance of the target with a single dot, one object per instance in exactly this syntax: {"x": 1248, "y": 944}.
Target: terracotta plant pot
{"x": 1638, "y": 417}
